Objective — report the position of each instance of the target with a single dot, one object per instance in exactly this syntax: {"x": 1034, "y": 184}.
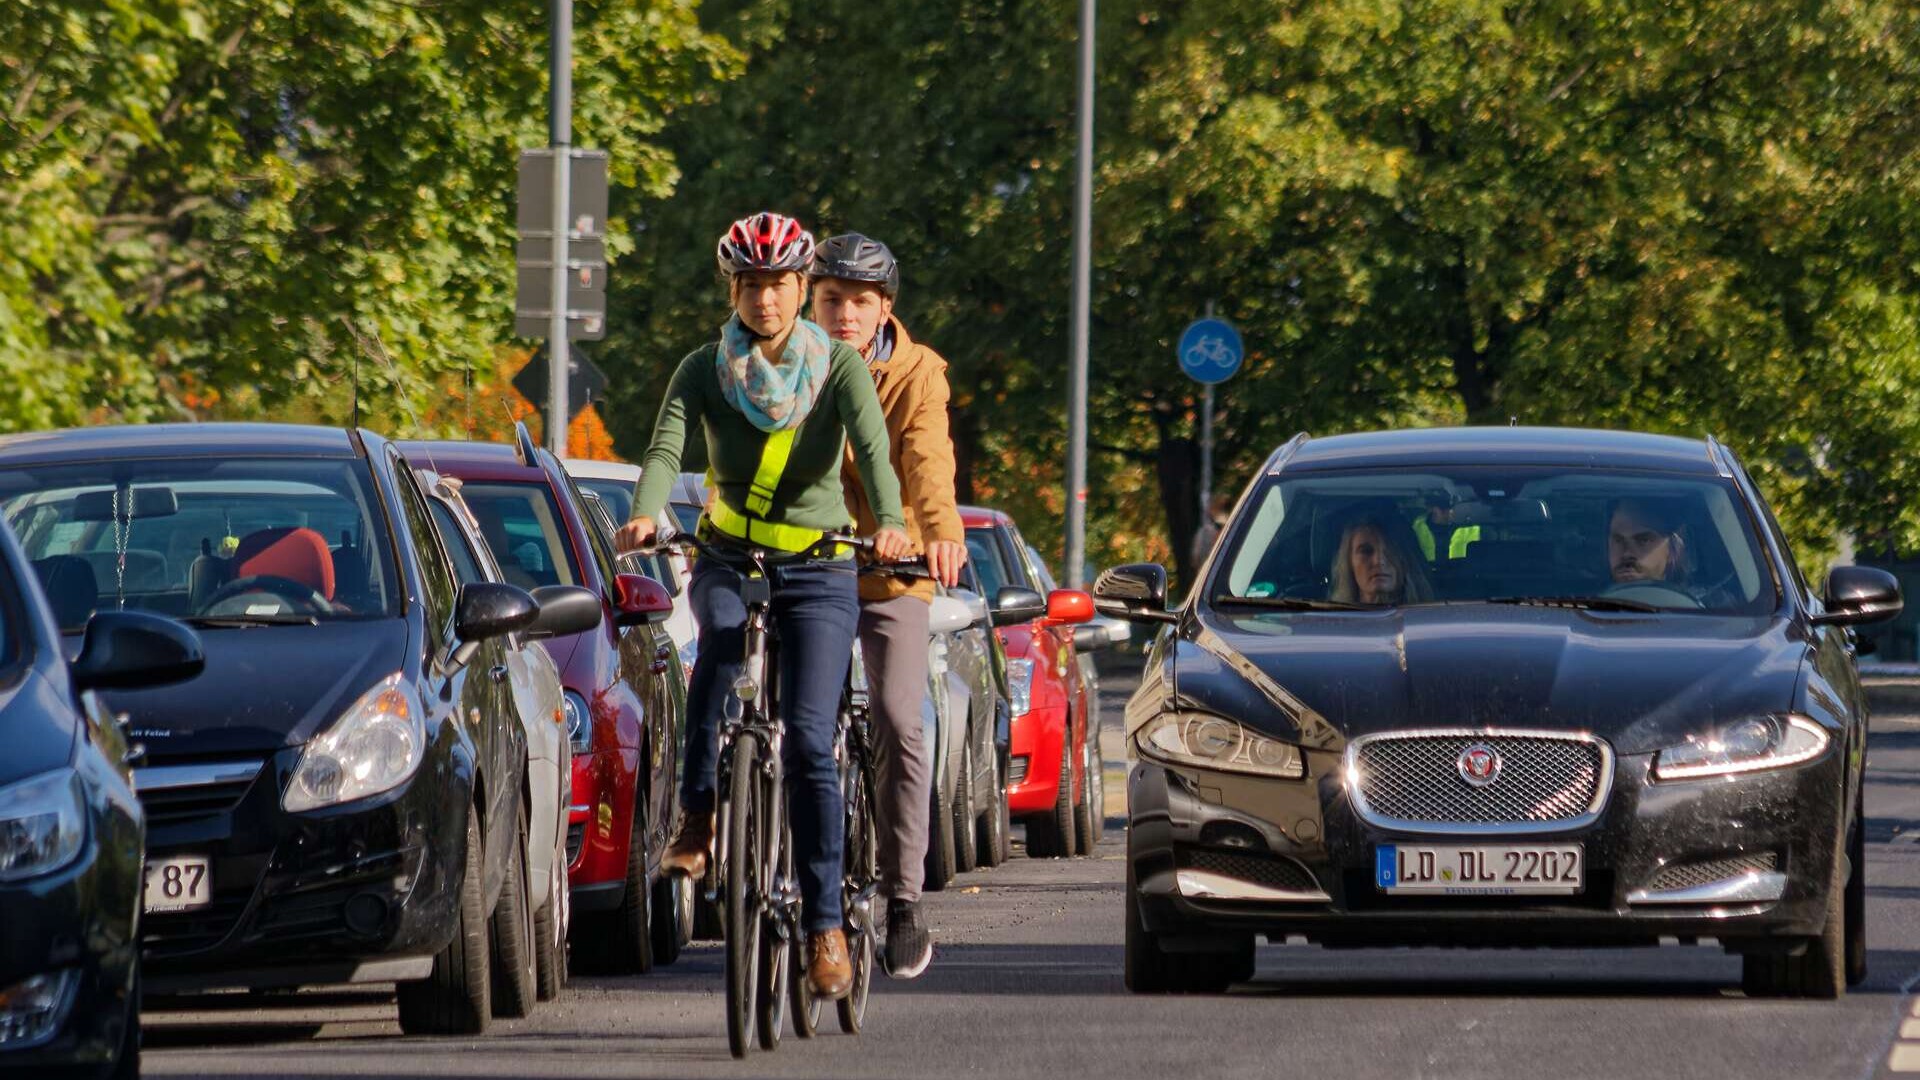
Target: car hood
{"x": 37, "y": 727}
{"x": 264, "y": 688}
{"x": 1641, "y": 682}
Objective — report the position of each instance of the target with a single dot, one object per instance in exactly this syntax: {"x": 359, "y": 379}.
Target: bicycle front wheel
{"x": 863, "y": 871}
{"x": 742, "y": 903}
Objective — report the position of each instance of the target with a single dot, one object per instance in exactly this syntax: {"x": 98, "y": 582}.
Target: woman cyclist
{"x": 776, "y": 399}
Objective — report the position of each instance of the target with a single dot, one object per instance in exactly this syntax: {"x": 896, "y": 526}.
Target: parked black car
{"x": 1495, "y": 687}
{"x": 71, "y": 831}
{"x": 339, "y": 793}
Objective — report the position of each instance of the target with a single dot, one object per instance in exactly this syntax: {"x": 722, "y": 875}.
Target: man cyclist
{"x": 855, "y": 283}
{"x": 776, "y": 399}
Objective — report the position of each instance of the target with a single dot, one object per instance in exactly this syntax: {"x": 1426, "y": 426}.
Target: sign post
{"x": 1210, "y": 352}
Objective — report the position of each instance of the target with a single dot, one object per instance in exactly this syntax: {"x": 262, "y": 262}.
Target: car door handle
{"x": 498, "y": 672}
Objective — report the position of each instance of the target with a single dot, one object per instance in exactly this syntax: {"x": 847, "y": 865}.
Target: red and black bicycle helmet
{"x": 767, "y": 242}
{"x": 852, "y": 257}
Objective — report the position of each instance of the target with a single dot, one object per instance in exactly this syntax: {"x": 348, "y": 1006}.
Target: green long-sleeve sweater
{"x": 809, "y": 494}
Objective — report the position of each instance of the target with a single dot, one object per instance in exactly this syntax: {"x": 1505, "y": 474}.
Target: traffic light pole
{"x": 1076, "y": 553}
{"x": 560, "y": 138}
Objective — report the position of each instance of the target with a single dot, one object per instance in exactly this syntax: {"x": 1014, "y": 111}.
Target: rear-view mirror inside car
{"x": 145, "y": 502}
{"x": 639, "y": 600}
{"x": 127, "y": 649}
{"x": 1501, "y": 512}
{"x": 1013, "y": 605}
{"x": 565, "y": 609}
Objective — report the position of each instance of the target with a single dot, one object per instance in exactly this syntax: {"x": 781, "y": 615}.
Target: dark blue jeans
{"x": 816, "y": 611}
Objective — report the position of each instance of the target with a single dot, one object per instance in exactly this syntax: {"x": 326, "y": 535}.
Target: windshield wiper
{"x": 1590, "y": 603}
{"x": 1291, "y": 603}
{"x": 225, "y": 621}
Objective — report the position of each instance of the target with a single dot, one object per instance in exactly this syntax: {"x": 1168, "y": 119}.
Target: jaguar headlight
{"x": 1215, "y": 742}
{"x": 43, "y": 823}
{"x": 1751, "y": 745}
{"x": 579, "y": 723}
{"x": 374, "y": 747}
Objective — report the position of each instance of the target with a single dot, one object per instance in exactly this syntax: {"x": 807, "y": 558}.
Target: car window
{"x": 983, "y": 550}
{"x": 1466, "y": 534}
{"x": 176, "y": 536}
{"x": 466, "y": 565}
{"x": 522, "y": 524}
{"x": 616, "y": 495}
{"x": 434, "y": 570}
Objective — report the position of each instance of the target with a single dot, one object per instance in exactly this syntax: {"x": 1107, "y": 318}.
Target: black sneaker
{"x": 909, "y": 946}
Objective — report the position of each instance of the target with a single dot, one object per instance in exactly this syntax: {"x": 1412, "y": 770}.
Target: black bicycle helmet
{"x": 852, "y": 257}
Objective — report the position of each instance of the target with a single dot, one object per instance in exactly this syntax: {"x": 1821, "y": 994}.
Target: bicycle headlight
{"x": 43, "y": 822}
{"x": 1750, "y": 745}
{"x": 374, "y": 747}
{"x": 1215, "y": 742}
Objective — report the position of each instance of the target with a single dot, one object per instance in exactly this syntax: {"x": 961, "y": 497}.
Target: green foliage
{"x": 220, "y": 206}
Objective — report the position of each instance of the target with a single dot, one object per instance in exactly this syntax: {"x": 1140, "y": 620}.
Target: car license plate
{"x": 178, "y": 883}
{"x": 1480, "y": 869}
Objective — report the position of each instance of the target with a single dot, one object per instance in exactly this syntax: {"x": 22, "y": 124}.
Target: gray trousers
{"x": 893, "y": 644}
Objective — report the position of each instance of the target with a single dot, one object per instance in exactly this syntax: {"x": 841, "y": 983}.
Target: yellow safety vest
{"x": 750, "y": 526}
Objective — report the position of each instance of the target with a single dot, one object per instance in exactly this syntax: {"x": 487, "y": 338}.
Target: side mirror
{"x": 1066, "y": 606}
{"x": 978, "y": 613}
{"x": 564, "y": 609}
{"x": 128, "y": 649}
{"x": 1136, "y": 592}
{"x": 1014, "y": 605}
{"x": 489, "y": 609}
{"x": 1092, "y": 637}
{"x": 1859, "y": 594}
{"x": 640, "y": 601}
{"x": 949, "y": 616}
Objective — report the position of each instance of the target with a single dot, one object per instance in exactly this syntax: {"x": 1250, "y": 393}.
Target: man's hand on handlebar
{"x": 944, "y": 559}
{"x": 890, "y": 545}
{"x": 634, "y": 535}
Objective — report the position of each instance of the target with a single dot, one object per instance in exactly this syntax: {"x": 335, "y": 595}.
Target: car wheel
{"x": 966, "y": 818}
{"x": 1856, "y": 902}
{"x": 993, "y": 841}
{"x": 515, "y": 975}
{"x": 1050, "y": 836}
{"x": 1089, "y": 819}
{"x": 457, "y": 998}
{"x": 126, "y": 1064}
{"x": 1006, "y": 819}
{"x": 628, "y": 929}
{"x": 1149, "y": 969}
{"x": 668, "y": 928}
{"x": 550, "y": 928}
{"x": 939, "y": 867}
{"x": 1820, "y": 971}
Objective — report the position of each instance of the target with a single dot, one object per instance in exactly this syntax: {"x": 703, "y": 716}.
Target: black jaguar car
{"x": 338, "y": 796}
{"x": 71, "y": 830}
{"x": 1495, "y": 687}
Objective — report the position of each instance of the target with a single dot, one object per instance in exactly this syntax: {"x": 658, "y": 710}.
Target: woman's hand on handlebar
{"x": 890, "y": 545}
{"x": 634, "y": 535}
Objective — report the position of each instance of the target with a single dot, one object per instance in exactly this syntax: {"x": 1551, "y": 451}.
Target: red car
{"x": 1053, "y": 775}
{"x": 625, "y": 696}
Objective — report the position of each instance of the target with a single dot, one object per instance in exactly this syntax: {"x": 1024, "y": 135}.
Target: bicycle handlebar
{"x": 688, "y": 541}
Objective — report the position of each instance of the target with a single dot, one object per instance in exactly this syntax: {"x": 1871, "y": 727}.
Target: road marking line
{"x": 1905, "y": 1058}
{"x": 1910, "y": 1029}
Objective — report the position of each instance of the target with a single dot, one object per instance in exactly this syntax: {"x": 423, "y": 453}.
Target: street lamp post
{"x": 560, "y": 138}
{"x": 1082, "y": 294}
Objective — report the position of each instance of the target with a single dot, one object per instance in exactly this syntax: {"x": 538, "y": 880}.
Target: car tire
{"x": 966, "y": 818}
{"x": 1149, "y": 969}
{"x": 1089, "y": 819}
{"x": 514, "y": 962}
{"x": 550, "y": 929}
{"x": 628, "y": 929}
{"x": 1856, "y": 902}
{"x": 1050, "y": 836}
{"x": 668, "y": 925}
{"x": 1006, "y": 819}
{"x": 1820, "y": 971}
{"x": 457, "y": 998}
{"x": 126, "y": 1063}
{"x": 939, "y": 864}
{"x": 993, "y": 841}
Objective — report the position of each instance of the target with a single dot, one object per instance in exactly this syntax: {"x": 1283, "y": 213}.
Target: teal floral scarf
{"x": 773, "y": 397}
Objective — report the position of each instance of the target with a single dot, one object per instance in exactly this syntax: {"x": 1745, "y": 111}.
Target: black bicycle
{"x": 750, "y": 871}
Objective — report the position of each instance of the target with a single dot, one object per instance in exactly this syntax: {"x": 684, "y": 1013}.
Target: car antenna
{"x": 524, "y": 447}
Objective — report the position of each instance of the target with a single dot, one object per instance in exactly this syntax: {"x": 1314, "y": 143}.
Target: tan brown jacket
{"x": 913, "y": 394}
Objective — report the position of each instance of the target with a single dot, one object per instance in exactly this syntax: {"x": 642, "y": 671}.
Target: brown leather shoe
{"x": 687, "y": 854}
{"x": 829, "y": 972}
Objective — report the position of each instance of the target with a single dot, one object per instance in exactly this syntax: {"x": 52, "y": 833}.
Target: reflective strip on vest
{"x": 773, "y": 462}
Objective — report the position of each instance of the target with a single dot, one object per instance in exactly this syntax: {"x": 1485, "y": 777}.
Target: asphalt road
{"x": 1026, "y": 982}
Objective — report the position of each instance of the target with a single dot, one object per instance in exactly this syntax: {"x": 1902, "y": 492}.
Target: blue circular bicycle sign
{"x": 1210, "y": 351}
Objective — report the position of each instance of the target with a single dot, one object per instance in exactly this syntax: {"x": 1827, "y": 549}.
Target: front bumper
{"x": 364, "y": 892}
{"x": 1226, "y": 856}
{"x": 1038, "y": 738}
{"x": 600, "y": 826}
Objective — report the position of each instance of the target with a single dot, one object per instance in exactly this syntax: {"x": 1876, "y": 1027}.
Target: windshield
{"x": 247, "y": 539}
{"x": 616, "y": 494}
{"x": 521, "y": 523}
{"x": 1573, "y": 536}
{"x": 983, "y": 551}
